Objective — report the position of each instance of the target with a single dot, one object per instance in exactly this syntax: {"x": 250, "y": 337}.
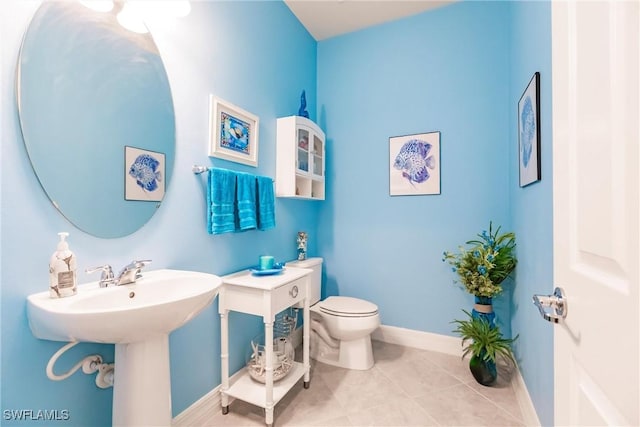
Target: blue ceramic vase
{"x": 485, "y": 372}
{"x": 483, "y": 308}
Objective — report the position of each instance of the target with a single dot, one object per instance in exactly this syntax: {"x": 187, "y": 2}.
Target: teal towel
{"x": 221, "y": 197}
{"x": 246, "y": 190}
{"x": 266, "y": 203}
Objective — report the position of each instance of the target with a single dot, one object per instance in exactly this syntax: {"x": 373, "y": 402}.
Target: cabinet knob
{"x": 294, "y": 291}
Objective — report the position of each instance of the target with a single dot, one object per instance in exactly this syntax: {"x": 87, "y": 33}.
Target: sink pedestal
{"x": 142, "y": 383}
{"x": 138, "y": 319}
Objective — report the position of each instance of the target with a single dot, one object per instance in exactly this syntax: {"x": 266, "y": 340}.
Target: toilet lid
{"x": 347, "y": 306}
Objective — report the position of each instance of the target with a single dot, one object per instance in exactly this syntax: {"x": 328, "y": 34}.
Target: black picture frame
{"x": 529, "y": 164}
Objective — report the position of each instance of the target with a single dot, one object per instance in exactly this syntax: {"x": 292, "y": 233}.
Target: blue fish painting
{"x": 414, "y": 161}
{"x": 145, "y": 171}
{"x": 234, "y": 133}
{"x": 528, "y": 130}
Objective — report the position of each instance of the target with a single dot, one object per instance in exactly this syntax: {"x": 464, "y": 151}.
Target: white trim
{"x": 529, "y": 415}
{"x": 201, "y": 412}
{"x": 204, "y": 408}
{"x": 418, "y": 339}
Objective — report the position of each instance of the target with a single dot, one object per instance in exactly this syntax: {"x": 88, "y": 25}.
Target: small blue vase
{"x": 483, "y": 309}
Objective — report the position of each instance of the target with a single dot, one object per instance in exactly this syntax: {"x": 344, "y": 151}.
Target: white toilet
{"x": 341, "y": 327}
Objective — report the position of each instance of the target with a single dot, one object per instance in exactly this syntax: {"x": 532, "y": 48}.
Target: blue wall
{"x": 459, "y": 70}
{"x": 444, "y": 70}
{"x": 199, "y": 53}
{"x": 532, "y": 206}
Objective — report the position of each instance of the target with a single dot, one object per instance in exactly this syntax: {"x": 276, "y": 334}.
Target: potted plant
{"x": 483, "y": 265}
{"x": 485, "y": 344}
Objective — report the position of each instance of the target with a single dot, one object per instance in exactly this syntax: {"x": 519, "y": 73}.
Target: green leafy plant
{"x": 483, "y": 340}
{"x": 485, "y": 263}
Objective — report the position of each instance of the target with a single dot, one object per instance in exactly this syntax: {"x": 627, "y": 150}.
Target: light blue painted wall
{"x": 206, "y": 52}
{"x": 532, "y": 206}
{"x": 460, "y": 70}
{"x": 445, "y": 70}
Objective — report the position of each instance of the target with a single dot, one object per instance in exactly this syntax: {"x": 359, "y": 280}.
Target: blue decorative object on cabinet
{"x": 302, "y": 112}
{"x": 302, "y": 245}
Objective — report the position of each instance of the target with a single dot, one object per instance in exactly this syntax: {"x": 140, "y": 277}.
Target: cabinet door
{"x": 318, "y": 155}
{"x": 302, "y": 158}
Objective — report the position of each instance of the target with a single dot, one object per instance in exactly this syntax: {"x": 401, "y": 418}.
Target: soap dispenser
{"x": 62, "y": 270}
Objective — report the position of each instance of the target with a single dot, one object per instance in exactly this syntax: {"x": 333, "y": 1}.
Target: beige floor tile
{"x": 347, "y": 383}
{"x": 240, "y": 414}
{"x": 454, "y": 365}
{"x": 311, "y": 406}
{"x": 388, "y": 354}
{"x": 396, "y": 411}
{"x": 501, "y": 393}
{"x": 418, "y": 376}
{"x": 406, "y": 387}
{"x": 462, "y": 406}
{"x": 334, "y": 422}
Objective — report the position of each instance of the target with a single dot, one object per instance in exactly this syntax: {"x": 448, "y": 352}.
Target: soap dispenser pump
{"x": 62, "y": 270}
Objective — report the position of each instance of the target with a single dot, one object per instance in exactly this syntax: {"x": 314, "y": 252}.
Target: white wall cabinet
{"x": 300, "y": 159}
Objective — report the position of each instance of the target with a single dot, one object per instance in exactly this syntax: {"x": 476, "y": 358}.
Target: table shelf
{"x": 249, "y": 390}
{"x": 264, "y": 296}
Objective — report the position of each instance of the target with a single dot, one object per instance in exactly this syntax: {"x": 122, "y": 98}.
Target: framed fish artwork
{"x": 144, "y": 173}
{"x": 233, "y": 133}
{"x": 529, "y": 133}
{"x": 414, "y": 164}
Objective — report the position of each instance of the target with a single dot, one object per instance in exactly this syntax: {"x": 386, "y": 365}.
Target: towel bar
{"x": 197, "y": 169}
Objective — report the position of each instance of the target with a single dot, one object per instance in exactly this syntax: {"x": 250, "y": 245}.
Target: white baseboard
{"x": 203, "y": 409}
{"x": 201, "y": 412}
{"x": 529, "y": 414}
{"x": 418, "y": 339}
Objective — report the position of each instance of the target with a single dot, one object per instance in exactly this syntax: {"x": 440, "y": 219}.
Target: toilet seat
{"x": 347, "y": 307}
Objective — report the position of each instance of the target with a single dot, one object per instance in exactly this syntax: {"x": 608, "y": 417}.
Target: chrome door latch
{"x": 557, "y": 302}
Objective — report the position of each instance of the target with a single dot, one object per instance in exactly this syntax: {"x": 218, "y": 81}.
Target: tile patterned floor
{"x": 406, "y": 387}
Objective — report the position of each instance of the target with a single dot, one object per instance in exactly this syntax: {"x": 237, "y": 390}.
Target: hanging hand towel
{"x": 246, "y": 190}
{"x": 266, "y": 203}
{"x": 221, "y": 196}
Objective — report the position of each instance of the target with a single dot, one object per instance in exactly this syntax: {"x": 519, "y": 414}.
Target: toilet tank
{"x": 314, "y": 264}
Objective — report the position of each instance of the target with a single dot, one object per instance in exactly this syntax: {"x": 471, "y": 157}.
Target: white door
{"x": 596, "y": 121}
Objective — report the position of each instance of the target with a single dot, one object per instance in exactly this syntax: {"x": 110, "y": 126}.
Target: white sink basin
{"x": 137, "y": 318}
{"x": 158, "y": 303}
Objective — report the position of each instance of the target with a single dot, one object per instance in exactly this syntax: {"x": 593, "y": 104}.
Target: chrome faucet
{"x": 106, "y": 278}
{"x": 129, "y": 274}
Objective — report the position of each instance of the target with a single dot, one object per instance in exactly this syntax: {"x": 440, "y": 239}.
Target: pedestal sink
{"x": 137, "y": 318}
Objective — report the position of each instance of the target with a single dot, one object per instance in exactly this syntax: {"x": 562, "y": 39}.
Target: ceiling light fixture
{"x": 98, "y": 5}
{"x": 130, "y": 18}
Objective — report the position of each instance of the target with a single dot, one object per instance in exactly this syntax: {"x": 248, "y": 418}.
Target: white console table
{"x": 263, "y": 296}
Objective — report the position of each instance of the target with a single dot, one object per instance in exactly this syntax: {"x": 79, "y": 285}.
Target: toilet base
{"x": 355, "y": 354}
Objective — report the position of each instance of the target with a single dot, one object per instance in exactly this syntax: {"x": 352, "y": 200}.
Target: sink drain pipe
{"x": 89, "y": 365}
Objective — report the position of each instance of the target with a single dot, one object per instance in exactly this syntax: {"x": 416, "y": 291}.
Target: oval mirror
{"x": 97, "y": 117}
